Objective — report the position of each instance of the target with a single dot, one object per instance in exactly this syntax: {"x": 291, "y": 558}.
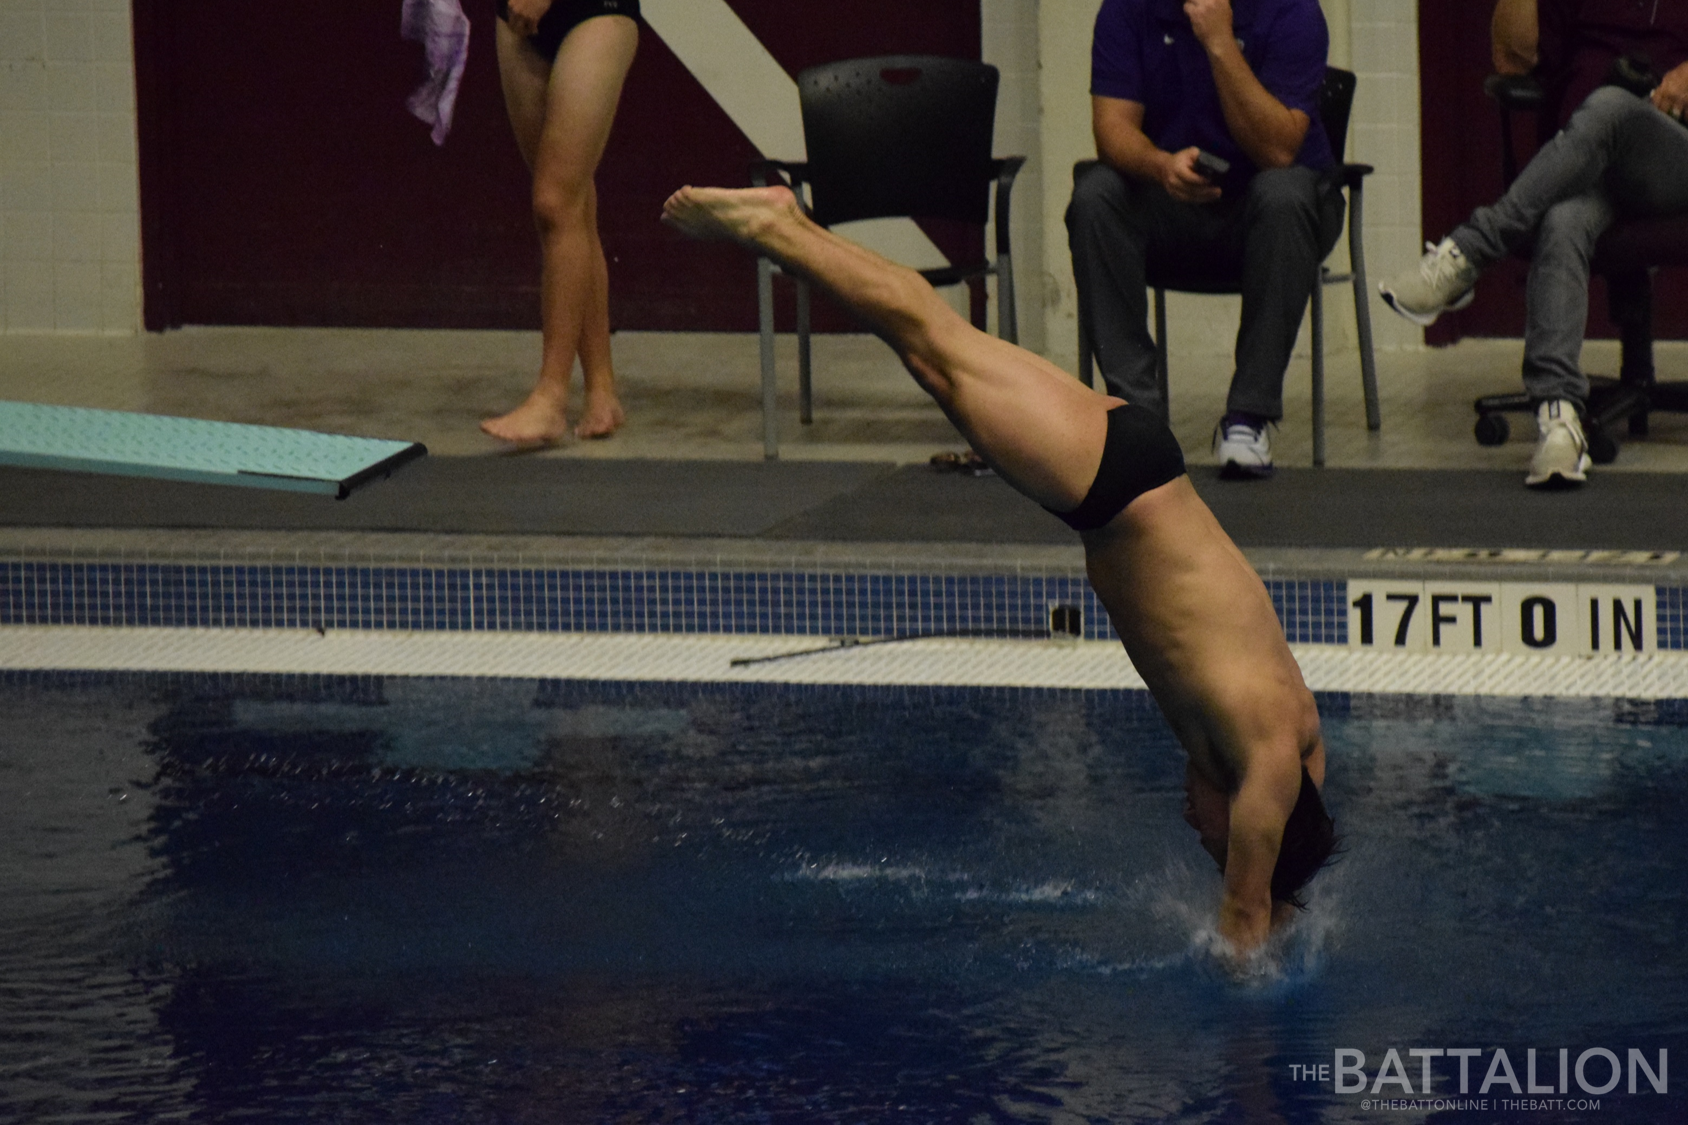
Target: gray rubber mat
{"x": 1449, "y": 508}
{"x": 484, "y": 495}
{"x": 867, "y": 502}
{"x": 1337, "y": 508}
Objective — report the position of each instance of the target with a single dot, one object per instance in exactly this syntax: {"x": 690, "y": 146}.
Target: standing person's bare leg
{"x": 524, "y": 76}
{"x": 600, "y": 413}
{"x": 1038, "y": 426}
{"x": 581, "y": 91}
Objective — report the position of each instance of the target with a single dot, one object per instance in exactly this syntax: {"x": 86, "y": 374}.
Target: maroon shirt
{"x": 1580, "y": 39}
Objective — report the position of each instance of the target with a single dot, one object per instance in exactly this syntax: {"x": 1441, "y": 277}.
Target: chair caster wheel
{"x": 1492, "y": 429}
{"x": 1602, "y": 450}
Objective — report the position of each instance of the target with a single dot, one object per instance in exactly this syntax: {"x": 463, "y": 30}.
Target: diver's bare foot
{"x": 541, "y": 420}
{"x": 602, "y": 417}
{"x": 734, "y": 214}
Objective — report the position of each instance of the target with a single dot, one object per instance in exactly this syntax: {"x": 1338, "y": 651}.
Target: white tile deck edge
{"x": 708, "y": 659}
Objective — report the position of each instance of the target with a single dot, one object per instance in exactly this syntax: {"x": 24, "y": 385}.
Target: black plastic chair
{"x": 1626, "y": 256}
{"x": 897, "y": 136}
{"x": 1336, "y": 102}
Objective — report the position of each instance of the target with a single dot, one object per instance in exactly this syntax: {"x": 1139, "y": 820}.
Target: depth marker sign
{"x": 1518, "y": 618}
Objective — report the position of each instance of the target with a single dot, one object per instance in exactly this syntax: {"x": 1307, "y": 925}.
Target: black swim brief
{"x": 566, "y": 15}
{"x": 1140, "y": 454}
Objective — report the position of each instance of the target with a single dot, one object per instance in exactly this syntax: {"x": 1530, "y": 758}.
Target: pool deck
{"x": 447, "y": 506}
{"x": 685, "y": 478}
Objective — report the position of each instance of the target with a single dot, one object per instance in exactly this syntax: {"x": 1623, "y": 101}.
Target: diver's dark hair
{"x": 1310, "y": 841}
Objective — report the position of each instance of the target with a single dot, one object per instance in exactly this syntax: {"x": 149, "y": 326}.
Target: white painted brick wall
{"x": 1010, "y": 43}
{"x": 69, "y": 196}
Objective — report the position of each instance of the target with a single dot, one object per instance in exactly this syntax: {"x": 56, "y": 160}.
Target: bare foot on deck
{"x": 732, "y": 214}
{"x": 602, "y": 417}
{"x": 540, "y": 420}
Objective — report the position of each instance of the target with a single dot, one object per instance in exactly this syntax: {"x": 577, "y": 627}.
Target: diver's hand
{"x": 1244, "y": 926}
{"x": 525, "y": 15}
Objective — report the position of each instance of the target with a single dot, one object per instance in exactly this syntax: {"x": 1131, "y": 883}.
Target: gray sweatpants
{"x": 1268, "y": 243}
{"x": 1617, "y": 156}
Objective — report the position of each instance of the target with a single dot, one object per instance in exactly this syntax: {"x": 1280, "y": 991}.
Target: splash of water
{"x": 1187, "y": 902}
{"x": 959, "y": 885}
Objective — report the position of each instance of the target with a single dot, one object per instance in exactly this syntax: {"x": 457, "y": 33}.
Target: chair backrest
{"x": 1336, "y": 103}
{"x": 899, "y": 135}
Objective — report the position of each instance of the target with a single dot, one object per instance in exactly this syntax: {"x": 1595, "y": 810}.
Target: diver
{"x": 1195, "y": 618}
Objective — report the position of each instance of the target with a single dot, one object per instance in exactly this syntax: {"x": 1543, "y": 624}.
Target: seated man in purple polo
{"x": 1171, "y": 80}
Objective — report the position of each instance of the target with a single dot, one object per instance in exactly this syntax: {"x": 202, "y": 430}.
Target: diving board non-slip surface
{"x": 193, "y": 449}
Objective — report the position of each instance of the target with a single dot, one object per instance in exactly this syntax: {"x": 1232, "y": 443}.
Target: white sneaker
{"x": 1243, "y": 450}
{"x": 1441, "y": 282}
{"x": 1561, "y": 459}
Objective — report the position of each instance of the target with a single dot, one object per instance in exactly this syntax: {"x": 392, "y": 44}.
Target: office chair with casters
{"x": 1627, "y": 255}
{"x": 897, "y": 136}
{"x": 1336, "y": 102}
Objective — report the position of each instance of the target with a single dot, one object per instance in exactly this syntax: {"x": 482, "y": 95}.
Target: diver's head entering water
{"x": 1310, "y": 841}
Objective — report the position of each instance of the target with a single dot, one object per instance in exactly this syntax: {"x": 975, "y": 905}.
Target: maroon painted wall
{"x": 284, "y": 183}
{"x": 1460, "y": 156}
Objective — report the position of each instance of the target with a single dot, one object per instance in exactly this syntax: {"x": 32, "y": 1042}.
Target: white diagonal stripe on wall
{"x": 732, "y": 64}
{"x": 749, "y": 84}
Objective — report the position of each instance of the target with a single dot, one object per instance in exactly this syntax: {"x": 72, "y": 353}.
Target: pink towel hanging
{"x": 443, "y": 30}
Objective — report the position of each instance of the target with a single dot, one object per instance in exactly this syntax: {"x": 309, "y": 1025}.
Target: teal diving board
{"x": 78, "y": 439}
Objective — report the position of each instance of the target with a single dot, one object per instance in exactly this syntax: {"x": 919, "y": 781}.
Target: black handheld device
{"x": 1210, "y": 166}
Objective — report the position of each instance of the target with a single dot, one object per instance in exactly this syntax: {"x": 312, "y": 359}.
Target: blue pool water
{"x": 362, "y": 900}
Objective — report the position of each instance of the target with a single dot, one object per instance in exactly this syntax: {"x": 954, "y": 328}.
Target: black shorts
{"x": 565, "y": 16}
{"x": 1140, "y": 454}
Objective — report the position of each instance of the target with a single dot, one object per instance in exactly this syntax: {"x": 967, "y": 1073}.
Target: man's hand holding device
{"x": 1187, "y": 180}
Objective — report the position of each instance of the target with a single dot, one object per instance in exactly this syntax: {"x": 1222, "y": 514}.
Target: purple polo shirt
{"x": 1145, "y": 51}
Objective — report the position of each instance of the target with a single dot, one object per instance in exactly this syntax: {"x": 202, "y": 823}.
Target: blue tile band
{"x": 581, "y": 600}
{"x": 1312, "y": 612}
{"x": 785, "y": 603}
{"x": 1672, "y": 612}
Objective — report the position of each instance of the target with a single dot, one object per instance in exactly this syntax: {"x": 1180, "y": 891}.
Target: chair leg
{"x": 1630, "y": 304}
{"x": 1007, "y": 314}
{"x": 805, "y": 396}
{"x": 1160, "y": 355}
{"x": 978, "y": 301}
{"x": 765, "y": 316}
{"x": 1362, "y": 307}
{"x": 1318, "y": 301}
{"x": 1086, "y": 357}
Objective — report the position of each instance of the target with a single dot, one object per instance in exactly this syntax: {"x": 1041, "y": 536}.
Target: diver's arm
{"x": 1264, "y": 800}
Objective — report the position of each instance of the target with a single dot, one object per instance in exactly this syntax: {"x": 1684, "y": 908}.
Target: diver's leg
{"x": 1038, "y": 426}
